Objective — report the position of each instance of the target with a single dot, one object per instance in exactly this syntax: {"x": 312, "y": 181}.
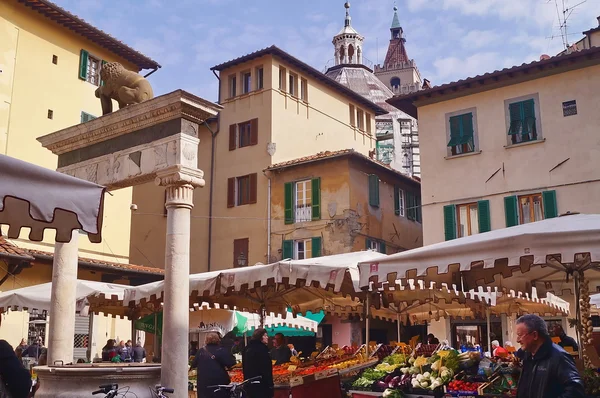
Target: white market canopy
{"x": 539, "y": 254}
{"x": 38, "y": 297}
{"x": 38, "y": 198}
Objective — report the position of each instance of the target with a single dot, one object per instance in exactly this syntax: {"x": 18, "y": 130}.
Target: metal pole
{"x": 489, "y": 337}
{"x": 398, "y": 326}
{"x": 367, "y": 322}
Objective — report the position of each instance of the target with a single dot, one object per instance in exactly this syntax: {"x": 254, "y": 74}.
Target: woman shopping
{"x": 257, "y": 362}
{"x": 212, "y": 362}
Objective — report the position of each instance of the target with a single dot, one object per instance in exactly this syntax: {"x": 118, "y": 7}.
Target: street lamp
{"x": 241, "y": 260}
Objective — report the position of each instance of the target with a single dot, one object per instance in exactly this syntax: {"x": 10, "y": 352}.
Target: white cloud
{"x": 476, "y": 39}
{"x": 455, "y": 68}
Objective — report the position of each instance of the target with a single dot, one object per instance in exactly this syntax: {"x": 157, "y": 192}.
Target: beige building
{"x": 340, "y": 202}
{"x": 510, "y": 147}
{"x": 591, "y": 38}
{"x": 276, "y": 108}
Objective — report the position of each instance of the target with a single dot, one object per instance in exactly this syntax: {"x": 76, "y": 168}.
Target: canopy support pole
{"x": 489, "y": 335}
{"x": 367, "y": 322}
{"x": 398, "y": 326}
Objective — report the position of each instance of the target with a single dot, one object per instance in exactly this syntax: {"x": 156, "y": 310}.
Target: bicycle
{"x": 236, "y": 389}
{"x": 160, "y": 391}
{"x": 111, "y": 390}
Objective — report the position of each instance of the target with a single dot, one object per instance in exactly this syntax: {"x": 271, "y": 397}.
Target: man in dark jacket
{"x": 212, "y": 362}
{"x": 15, "y": 377}
{"x": 565, "y": 341}
{"x": 34, "y": 350}
{"x": 139, "y": 352}
{"x": 548, "y": 370}
{"x": 256, "y": 361}
{"x": 280, "y": 352}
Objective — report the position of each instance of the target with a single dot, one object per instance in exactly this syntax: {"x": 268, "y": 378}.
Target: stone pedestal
{"x": 64, "y": 294}
{"x": 81, "y": 380}
{"x": 180, "y": 183}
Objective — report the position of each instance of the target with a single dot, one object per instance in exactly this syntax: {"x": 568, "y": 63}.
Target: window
{"x": 360, "y": 121}
{"x": 86, "y": 117}
{"x": 246, "y": 82}
{"x": 395, "y": 83}
{"x": 243, "y": 134}
{"x": 413, "y": 206}
{"x": 232, "y": 86}
{"x": 304, "y": 90}
{"x": 373, "y": 190}
{"x": 241, "y": 190}
{"x": 352, "y": 116}
{"x": 293, "y": 86}
{"x": 282, "y": 78}
{"x": 50, "y": 114}
{"x": 569, "y": 108}
{"x": 368, "y": 122}
{"x": 240, "y": 252}
{"x": 259, "y": 78}
{"x": 302, "y": 248}
{"x": 399, "y": 206}
{"x": 302, "y": 201}
{"x": 466, "y": 219}
{"x": 461, "y": 134}
{"x": 55, "y": 59}
{"x": 522, "y": 121}
{"x": 524, "y": 209}
{"x": 377, "y": 245}
{"x": 89, "y": 67}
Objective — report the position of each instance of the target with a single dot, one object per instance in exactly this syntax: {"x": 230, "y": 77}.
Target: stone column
{"x": 64, "y": 294}
{"x": 180, "y": 182}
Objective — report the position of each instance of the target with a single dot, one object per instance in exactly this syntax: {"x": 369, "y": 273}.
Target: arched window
{"x": 395, "y": 83}
{"x": 350, "y": 53}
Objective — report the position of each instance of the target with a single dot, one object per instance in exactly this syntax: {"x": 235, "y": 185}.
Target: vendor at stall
{"x": 280, "y": 353}
{"x": 498, "y": 351}
{"x": 565, "y": 341}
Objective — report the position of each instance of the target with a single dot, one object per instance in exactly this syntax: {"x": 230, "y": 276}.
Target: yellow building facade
{"x": 49, "y": 72}
{"x": 276, "y": 108}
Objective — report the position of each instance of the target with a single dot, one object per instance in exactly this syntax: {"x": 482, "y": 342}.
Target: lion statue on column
{"x": 122, "y": 85}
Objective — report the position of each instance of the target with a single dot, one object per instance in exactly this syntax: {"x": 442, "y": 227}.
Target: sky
{"x": 448, "y": 39}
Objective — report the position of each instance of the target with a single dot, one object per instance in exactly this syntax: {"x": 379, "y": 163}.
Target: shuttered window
{"x": 466, "y": 219}
{"x": 302, "y": 248}
{"x": 461, "y": 134}
{"x": 450, "y": 222}
{"x": 524, "y": 209}
{"x": 89, "y": 67}
{"x": 240, "y": 252}
{"x": 373, "y": 190}
{"x": 375, "y": 244}
{"x": 86, "y": 117}
{"x": 242, "y": 190}
{"x": 413, "y": 206}
{"x": 522, "y": 126}
{"x": 243, "y": 134}
{"x": 399, "y": 202}
{"x": 352, "y": 116}
{"x": 302, "y": 201}
{"x": 287, "y": 249}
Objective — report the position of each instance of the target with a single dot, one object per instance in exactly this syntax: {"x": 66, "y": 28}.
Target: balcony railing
{"x": 303, "y": 213}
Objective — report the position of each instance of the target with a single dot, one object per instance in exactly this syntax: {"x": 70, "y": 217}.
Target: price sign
{"x": 326, "y": 373}
{"x": 291, "y": 368}
{"x": 296, "y": 381}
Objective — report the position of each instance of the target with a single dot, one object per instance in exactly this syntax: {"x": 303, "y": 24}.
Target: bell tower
{"x": 348, "y": 43}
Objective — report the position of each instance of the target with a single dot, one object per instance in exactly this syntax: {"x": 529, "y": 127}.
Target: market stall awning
{"x": 38, "y": 297}
{"x": 38, "y": 198}
{"x": 539, "y": 254}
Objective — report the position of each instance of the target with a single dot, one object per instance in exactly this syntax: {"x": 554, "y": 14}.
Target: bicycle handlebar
{"x": 98, "y": 392}
{"x": 251, "y": 380}
{"x": 167, "y": 390}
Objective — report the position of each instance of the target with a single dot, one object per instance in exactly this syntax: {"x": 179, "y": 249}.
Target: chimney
{"x": 598, "y": 18}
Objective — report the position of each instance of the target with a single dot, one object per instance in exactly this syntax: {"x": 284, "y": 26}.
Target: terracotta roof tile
{"x": 107, "y": 264}
{"x": 79, "y": 26}
{"x": 11, "y": 250}
{"x": 335, "y": 154}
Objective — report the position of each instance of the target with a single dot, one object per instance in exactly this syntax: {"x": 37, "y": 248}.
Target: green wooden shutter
{"x": 549, "y": 203}
{"x": 396, "y": 200}
{"x": 289, "y": 202}
{"x": 86, "y": 117}
{"x": 528, "y": 116}
{"x": 316, "y": 246}
{"x": 511, "y": 211}
{"x": 483, "y": 210}
{"x": 454, "y": 131}
{"x": 288, "y": 249}
{"x": 382, "y": 247}
{"x": 103, "y": 63}
{"x": 450, "y": 222}
{"x": 514, "y": 111}
{"x": 410, "y": 206}
{"x": 373, "y": 190}
{"x": 83, "y": 62}
{"x": 316, "y": 198}
{"x": 418, "y": 208}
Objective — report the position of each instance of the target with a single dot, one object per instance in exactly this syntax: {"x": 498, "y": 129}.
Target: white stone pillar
{"x": 180, "y": 182}
{"x": 64, "y": 294}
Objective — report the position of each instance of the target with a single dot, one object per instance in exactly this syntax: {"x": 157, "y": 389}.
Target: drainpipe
{"x": 212, "y": 175}
{"x": 268, "y": 218}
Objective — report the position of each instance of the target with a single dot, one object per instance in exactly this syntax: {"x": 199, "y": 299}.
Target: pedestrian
{"x": 548, "y": 370}
{"x": 212, "y": 362}
{"x": 280, "y": 353}
{"x": 256, "y": 361}
{"x": 193, "y": 348}
{"x": 34, "y": 350}
{"x": 109, "y": 351}
{"x": 431, "y": 339}
{"x": 498, "y": 351}
{"x": 139, "y": 352}
{"x": 124, "y": 352}
{"x": 14, "y": 378}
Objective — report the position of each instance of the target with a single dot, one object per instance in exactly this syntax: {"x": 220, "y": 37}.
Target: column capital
{"x": 180, "y": 182}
